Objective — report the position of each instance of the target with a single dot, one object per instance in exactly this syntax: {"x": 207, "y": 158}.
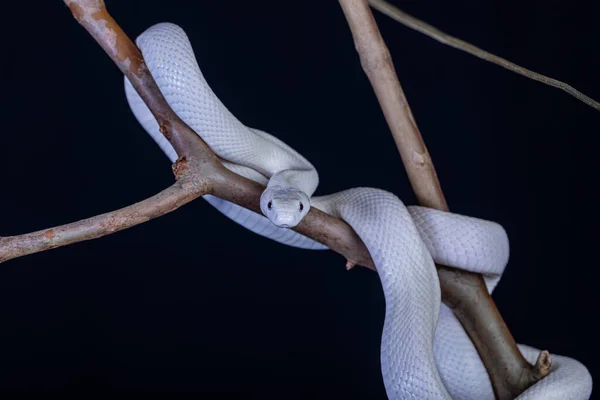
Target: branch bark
{"x": 464, "y": 292}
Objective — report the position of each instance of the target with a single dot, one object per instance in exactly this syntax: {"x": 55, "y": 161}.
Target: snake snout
{"x": 285, "y": 219}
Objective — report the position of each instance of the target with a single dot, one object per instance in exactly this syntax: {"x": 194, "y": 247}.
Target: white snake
{"x": 425, "y": 353}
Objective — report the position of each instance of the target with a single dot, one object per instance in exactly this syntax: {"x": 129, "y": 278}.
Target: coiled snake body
{"x": 425, "y": 353}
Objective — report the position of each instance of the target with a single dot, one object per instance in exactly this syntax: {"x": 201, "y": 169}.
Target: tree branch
{"x": 442, "y": 37}
{"x": 94, "y": 17}
{"x": 170, "y": 199}
{"x": 462, "y": 291}
{"x": 377, "y": 63}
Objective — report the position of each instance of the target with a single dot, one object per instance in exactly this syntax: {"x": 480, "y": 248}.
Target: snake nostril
{"x": 270, "y": 205}
{"x": 301, "y": 206}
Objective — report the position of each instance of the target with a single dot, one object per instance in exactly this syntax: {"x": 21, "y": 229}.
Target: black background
{"x": 192, "y": 302}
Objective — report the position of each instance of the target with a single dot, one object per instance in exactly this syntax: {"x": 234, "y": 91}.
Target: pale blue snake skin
{"x": 425, "y": 353}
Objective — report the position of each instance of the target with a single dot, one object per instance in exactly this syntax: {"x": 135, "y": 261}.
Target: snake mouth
{"x": 287, "y": 223}
{"x": 285, "y": 217}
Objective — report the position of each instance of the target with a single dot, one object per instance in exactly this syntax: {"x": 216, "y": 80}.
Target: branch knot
{"x": 180, "y": 168}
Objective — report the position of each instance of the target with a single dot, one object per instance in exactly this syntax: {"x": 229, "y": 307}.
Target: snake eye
{"x": 301, "y": 206}
{"x": 270, "y": 205}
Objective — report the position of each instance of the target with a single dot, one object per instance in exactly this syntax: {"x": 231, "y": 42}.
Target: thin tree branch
{"x": 464, "y": 292}
{"x": 442, "y": 37}
{"x": 199, "y": 168}
{"x": 170, "y": 199}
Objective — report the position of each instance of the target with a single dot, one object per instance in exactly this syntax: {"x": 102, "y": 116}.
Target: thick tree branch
{"x": 196, "y": 177}
{"x": 442, "y": 37}
{"x": 464, "y": 292}
{"x": 94, "y": 17}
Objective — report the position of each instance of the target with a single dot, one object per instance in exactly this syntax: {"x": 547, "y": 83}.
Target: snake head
{"x": 284, "y": 206}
